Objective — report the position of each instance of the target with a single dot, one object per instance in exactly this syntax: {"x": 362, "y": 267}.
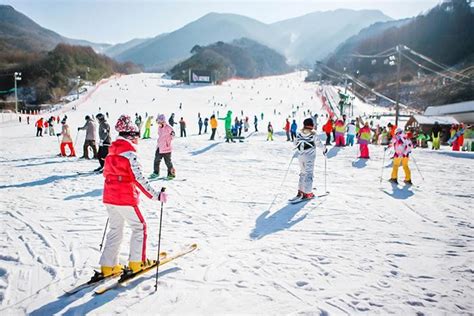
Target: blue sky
{"x": 114, "y": 21}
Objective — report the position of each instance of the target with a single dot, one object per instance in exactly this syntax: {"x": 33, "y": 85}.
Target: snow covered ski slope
{"x": 365, "y": 248}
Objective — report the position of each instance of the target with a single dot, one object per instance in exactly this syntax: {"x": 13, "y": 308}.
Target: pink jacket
{"x": 165, "y": 136}
{"x": 401, "y": 145}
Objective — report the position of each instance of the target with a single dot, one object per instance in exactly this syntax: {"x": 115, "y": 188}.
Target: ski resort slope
{"x": 366, "y": 248}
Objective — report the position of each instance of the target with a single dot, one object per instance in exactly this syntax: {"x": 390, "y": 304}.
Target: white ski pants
{"x": 306, "y": 159}
{"x": 118, "y": 215}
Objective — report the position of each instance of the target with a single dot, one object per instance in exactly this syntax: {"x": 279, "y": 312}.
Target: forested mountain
{"x": 444, "y": 35}
{"x": 49, "y": 76}
{"x": 242, "y": 58}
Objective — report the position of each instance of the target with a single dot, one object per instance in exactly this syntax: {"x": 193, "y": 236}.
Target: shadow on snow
{"x": 44, "y": 181}
{"x": 96, "y": 301}
{"x": 203, "y": 150}
{"x": 280, "y": 220}
{"x": 359, "y": 163}
{"x": 400, "y": 194}
{"x": 333, "y": 152}
{"x": 93, "y": 193}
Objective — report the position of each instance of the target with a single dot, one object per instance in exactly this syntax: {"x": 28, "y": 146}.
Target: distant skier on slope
{"x": 351, "y": 132}
{"x": 436, "y": 135}
{"x": 39, "y": 127}
{"x": 213, "y": 122}
{"x": 402, "y": 147}
{"x": 104, "y": 140}
{"x": 306, "y": 142}
{"x": 228, "y": 127}
{"x": 163, "y": 148}
{"x": 340, "y": 129}
{"x": 66, "y": 140}
{"x": 294, "y": 128}
{"x": 123, "y": 180}
{"x": 287, "y": 129}
{"x": 270, "y": 131}
{"x": 364, "y": 140}
{"x": 90, "y": 128}
{"x": 148, "y": 124}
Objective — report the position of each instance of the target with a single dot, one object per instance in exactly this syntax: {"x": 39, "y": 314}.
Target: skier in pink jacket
{"x": 163, "y": 150}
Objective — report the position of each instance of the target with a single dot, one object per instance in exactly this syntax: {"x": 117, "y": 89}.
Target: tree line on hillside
{"x": 46, "y": 77}
{"x": 443, "y": 34}
{"x": 243, "y": 58}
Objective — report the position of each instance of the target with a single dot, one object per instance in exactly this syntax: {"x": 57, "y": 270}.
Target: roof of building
{"x": 430, "y": 120}
{"x": 461, "y": 107}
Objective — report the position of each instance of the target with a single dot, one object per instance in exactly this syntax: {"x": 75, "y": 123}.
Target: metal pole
{"x": 399, "y": 63}
{"x": 416, "y": 165}
{"x": 159, "y": 245}
{"x": 383, "y": 163}
{"x": 16, "y": 94}
{"x": 103, "y": 236}
{"x": 325, "y": 174}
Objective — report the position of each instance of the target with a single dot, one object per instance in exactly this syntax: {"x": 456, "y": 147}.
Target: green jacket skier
{"x": 228, "y": 127}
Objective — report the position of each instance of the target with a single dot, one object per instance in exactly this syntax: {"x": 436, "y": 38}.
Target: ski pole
{"x": 383, "y": 163}
{"x": 103, "y": 236}
{"x": 159, "y": 244}
{"x": 282, "y": 182}
{"x": 419, "y": 171}
{"x": 77, "y": 136}
{"x": 325, "y": 174}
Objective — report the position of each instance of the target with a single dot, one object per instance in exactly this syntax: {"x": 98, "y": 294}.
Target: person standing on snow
{"x": 339, "y": 129}
{"x": 327, "y": 128}
{"x": 351, "y": 132}
{"x": 90, "y": 137}
{"x": 436, "y": 135}
{"x": 270, "y": 131}
{"x": 293, "y": 127}
{"x": 171, "y": 120}
{"x": 246, "y": 124}
{"x": 213, "y": 126}
{"x": 123, "y": 181}
{"x": 306, "y": 142}
{"x": 287, "y": 130}
{"x": 163, "y": 148}
{"x": 255, "y": 123}
{"x": 66, "y": 140}
{"x": 228, "y": 127}
{"x": 39, "y": 127}
{"x": 402, "y": 147}
{"x": 51, "y": 126}
{"x": 200, "y": 124}
{"x": 104, "y": 141}
{"x": 206, "y": 124}
{"x": 364, "y": 139}
{"x": 182, "y": 127}
{"x": 148, "y": 124}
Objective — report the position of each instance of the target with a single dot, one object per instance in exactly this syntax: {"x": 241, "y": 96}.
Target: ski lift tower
{"x": 17, "y": 77}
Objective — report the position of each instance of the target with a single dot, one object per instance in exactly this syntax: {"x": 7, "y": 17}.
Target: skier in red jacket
{"x": 123, "y": 181}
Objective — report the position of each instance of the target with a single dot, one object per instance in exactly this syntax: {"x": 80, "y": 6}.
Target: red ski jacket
{"x": 123, "y": 176}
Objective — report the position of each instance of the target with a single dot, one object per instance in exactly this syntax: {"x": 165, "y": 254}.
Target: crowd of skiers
{"x": 124, "y": 177}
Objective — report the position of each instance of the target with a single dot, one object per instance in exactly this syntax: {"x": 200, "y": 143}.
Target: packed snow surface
{"x": 367, "y": 247}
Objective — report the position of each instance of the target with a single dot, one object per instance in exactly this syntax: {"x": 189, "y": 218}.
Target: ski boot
{"x": 154, "y": 176}
{"x": 106, "y": 271}
{"x": 298, "y": 196}
{"x": 98, "y": 169}
{"x": 308, "y": 196}
{"x": 137, "y": 266}
{"x": 171, "y": 174}
{"x": 408, "y": 182}
{"x": 394, "y": 181}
